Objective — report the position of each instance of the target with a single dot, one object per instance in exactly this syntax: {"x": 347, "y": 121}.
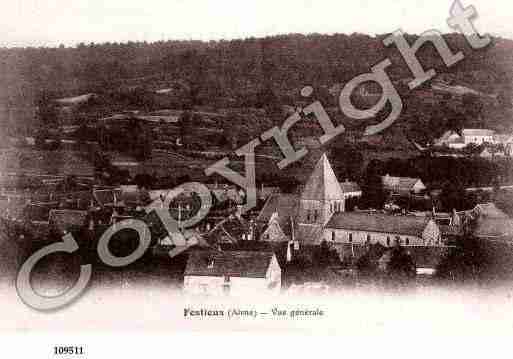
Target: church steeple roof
{"x": 322, "y": 184}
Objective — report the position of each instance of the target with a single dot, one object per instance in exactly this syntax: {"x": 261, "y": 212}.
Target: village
{"x": 284, "y": 187}
{"x": 308, "y": 237}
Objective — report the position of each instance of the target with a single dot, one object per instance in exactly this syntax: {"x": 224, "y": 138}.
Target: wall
{"x": 323, "y": 208}
{"x": 360, "y": 237}
{"x": 205, "y": 285}
{"x": 238, "y": 286}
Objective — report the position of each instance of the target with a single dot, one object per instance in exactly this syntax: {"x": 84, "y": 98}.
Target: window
{"x": 388, "y": 241}
{"x": 368, "y": 238}
{"x": 407, "y": 241}
{"x": 316, "y": 215}
{"x": 350, "y": 237}
{"x": 333, "y": 236}
{"x": 398, "y": 240}
{"x": 308, "y": 216}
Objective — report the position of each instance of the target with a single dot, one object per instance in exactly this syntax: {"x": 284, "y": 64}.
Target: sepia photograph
{"x": 274, "y": 166}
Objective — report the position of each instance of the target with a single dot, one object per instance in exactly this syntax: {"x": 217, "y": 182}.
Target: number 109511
{"x": 68, "y": 350}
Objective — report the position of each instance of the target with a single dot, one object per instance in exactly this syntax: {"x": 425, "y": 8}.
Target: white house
{"x": 469, "y": 135}
{"x": 477, "y": 136}
{"x": 402, "y": 185}
{"x": 234, "y": 273}
{"x": 350, "y": 189}
{"x": 363, "y": 228}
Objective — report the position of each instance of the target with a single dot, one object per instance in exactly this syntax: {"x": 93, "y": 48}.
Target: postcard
{"x": 295, "y": 167}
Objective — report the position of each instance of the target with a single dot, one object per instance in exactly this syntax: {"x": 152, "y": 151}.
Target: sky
{"x": 69, "y": 22}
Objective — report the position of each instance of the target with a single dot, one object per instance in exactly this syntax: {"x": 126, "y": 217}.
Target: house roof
{"x": 104, "y": 196}
{"x": 503, "y": 138}
{"x": 75, "y": 100}
{"x": 252, "y": 264}
{"x": 225, "y": 193}
{"x": 449, "y": 137}
{"x": 349, "y": 187}
{"x": 401, "y": 183}
{"x": 285, "y": 205}
{"x": 322, "y": 184}
{"x": 448, "y": 230}
{"x": 308, "y": 233}
{"x": 380, "y": 223}
{"x": 477, "y": 132}
{"x": 230, "y": 230}
{"x": 66, "y": 220}
{"x": 489, "y": 210}
{"x": 274, "y": 232}
{"x": 494, "y": 227}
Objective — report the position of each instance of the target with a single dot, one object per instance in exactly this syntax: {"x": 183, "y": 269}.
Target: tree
{"x": 453, "y": 195}
{"x": 467, "y": 260}
{"x": 46, "y": 111}
{"x": 401, "y": 264}
{"x": 373, "y": 193}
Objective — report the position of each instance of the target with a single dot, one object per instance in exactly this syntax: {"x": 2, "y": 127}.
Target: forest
{"x": 261, "y": 73}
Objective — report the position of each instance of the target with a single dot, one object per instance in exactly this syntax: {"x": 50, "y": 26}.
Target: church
{"x": 316, "y": 213}
{"x": 302, "y": 216}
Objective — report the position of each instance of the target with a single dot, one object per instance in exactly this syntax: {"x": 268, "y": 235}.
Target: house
{"x": 488, "y": 210}
{"x": 504, "y": 139}
{"x": 265, "y": 191}
{"x": 276, "y": 231}
{"x": 403, "y": 186}
{"x": 106, "y": 197}
{"x": 350, "y": 189}
{"x": 494, "y": 229}
{"x": 387, "y": 230}
{"x": 234, "y": 273}
{"x": 451, "y": 139}
{"x": 275, "y": 217}
{"x": 231, "y": 230}
{"x": 477, "y": 136}
{"x": 68, "y": 220}
{"x": 486, "y": 153}
{"x": 226, "y": 193}
{"x": 491, "y": 222}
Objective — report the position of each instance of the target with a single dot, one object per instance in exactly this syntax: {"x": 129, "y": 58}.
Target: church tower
{"x": 320, "y": 199}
